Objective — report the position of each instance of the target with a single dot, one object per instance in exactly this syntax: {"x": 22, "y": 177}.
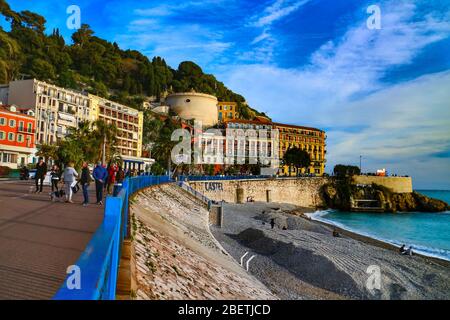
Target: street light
{"x": 360, "y": 166}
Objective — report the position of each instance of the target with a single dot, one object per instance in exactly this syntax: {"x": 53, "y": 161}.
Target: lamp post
{"x": 360, "y": 166}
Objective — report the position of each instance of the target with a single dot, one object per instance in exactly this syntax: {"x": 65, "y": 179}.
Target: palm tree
{"x": 106, "y": 135}
{"x": 87, "y": 139}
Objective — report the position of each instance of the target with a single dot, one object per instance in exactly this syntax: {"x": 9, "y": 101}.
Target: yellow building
{"x": 129, "y": 123}
{"x": 310, "y": 139}
{"x": 227, "y": 111}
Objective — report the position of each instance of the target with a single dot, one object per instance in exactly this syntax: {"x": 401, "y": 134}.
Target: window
{"x": 30, "y": 127}
{"x": 20, "y": 138}
{"x": 21, "y": 125}
{"x": 12, "y": 123}
{"x": 2, "y": 135}
{"x": 11, "y": 136}
{"x": 2, "y": 121}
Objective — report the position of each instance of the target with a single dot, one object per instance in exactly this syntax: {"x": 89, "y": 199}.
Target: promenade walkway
{"x": 40, "y": 239}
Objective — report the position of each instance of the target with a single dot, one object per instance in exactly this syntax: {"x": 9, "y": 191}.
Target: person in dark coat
{"x": 100, "y": 175}
{"x": 41, "y": 171}
{"x": 85, "y": 181}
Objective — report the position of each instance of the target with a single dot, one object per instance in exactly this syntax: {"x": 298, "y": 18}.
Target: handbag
{"x": 75, "y": 187}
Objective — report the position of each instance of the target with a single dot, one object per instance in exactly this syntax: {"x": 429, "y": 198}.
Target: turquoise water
{"x": 428, "y": 233}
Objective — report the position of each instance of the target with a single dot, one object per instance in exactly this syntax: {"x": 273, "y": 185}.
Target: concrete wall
{"x": 397, "y": 184}
{"x": 302, "y": 191}
{"x": 199, "y": 106}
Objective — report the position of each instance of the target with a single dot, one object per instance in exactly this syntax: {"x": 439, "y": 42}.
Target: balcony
{"x": 26, "y": 131}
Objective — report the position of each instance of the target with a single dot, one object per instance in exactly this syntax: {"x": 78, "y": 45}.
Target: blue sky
{"x": 383, "y": 94}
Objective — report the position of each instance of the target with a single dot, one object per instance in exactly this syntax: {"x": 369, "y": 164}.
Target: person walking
{"x": 120, "y": 175}
{"x": 70, "y": 178}
{"x": 112, "y": 170}
{"x": 100, "y": 176}
{"x": 55, "y": 177}
{"x": 41, "y": 171}
{"x": 85, "y": 181}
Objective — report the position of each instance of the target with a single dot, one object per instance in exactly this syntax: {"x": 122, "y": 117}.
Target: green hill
{"x": 95, "y": 65}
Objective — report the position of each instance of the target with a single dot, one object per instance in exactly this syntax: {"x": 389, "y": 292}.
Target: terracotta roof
{"x": 295, "y": 126}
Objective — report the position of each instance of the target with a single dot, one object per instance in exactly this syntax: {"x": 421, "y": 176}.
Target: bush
{"x": 4, "y": 171}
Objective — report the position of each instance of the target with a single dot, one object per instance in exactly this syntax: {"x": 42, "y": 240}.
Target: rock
{"x": 429, "y": 204}
{"x": 341, "y": 196}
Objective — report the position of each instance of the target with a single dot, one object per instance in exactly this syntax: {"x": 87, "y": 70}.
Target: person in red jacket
{"x": 112, "y": 170}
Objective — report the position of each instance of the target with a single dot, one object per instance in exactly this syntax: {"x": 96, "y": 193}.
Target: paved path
{"x": 40, "y": 239}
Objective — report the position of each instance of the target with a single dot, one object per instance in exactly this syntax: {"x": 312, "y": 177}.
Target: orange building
{"x": 227, "y": 111}
{"x": 17, "y": 137}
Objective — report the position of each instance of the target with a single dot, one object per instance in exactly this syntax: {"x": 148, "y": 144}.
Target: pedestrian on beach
{"x": 41, "y": 171}
{"x": 272, "y": 223}
{"x": 100, "y": 176}
{"x": 402, "y": 249}
{"x": 70, "y": 178}
{"x": 85, "y": 180}
{"x": 409, "y": 251}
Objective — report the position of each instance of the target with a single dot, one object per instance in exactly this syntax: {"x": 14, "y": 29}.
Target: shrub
{"x": 341, "y": 170}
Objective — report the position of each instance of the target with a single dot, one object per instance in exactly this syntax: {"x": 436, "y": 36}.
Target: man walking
{"x": 85, "y": 181}
{"x": 41, "y": 171}
{"x": 100, "y": 175}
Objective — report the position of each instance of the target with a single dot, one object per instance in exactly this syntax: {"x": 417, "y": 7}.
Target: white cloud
{"x": 265, "y": 43}
{"x": 397, "y": 125}
{"x": 278, "y": 10}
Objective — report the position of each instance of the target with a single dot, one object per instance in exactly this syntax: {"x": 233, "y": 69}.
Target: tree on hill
{"x": 96, "y": 65}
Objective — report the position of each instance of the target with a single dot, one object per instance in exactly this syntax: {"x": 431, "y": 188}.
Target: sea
{"x": 427, "y": 233}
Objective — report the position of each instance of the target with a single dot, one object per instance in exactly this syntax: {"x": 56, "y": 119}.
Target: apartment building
{"x": 56, "y": 109}
{"x": 17, "y": 142}
{"x": 227, "y": 111}
{"x": 309, "y": 139}
{"x": 130, "y": 125}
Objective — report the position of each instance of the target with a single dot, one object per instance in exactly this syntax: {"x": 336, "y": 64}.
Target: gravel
{"x": 300, "y": 259}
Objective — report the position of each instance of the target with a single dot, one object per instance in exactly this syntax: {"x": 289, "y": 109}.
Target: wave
{"x": 420, "y": 249}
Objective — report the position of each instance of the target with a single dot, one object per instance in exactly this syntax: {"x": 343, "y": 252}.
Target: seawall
{"x": 396, "y": 184}
{"x": 303, "y": 192}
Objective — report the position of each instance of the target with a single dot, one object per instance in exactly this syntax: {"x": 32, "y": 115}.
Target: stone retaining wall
{"x": 303, "y": 192}
{"x": 396, "y": 184}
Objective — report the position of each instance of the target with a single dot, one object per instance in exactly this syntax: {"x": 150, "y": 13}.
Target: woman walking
{"x": 85, "y": 180}
{"x": 55, "y": 176}
{"x": 70, "y": 178}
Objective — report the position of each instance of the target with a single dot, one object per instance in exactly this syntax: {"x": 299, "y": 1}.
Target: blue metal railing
{"x": 208, "y": 178}
{"x": 99, "y": 262}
